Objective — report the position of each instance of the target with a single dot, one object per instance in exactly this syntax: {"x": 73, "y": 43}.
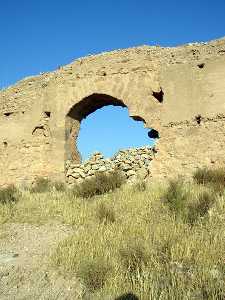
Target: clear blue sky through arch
{"x": 39, "y": 35}
{"x": 109, "y": 129}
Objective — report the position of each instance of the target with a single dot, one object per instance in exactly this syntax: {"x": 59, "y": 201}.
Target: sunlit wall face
{"x": 109, "y": 129}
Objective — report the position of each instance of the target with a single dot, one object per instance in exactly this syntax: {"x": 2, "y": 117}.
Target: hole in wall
{"x": 47, "y": 114}
{"x": 153, "y": 134}
{"x": 158, "y": 95}
{"x": 198, "y": 119}
{"x": 5, "y": 144}
{"x": 7, "y": 114}
{"x": 41, "y": 131}
{"x": 201, "y": 66}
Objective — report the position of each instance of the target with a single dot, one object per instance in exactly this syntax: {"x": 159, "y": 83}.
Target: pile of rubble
{"x": 132, "y": 163}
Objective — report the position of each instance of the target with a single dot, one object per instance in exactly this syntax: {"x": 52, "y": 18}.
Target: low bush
{"x": 213, "y": 177}
{"x": 176, "y": 196}
{"x": 183, "y": 204}
{"x": 105, "y": 213}
{"x": 133, "y": 256}
{"x": 41, "y": 185}
{"x": 9, "y": 195}
{"x": 59, "y": 186}
{"x": 93, "y": 273}
{"x": 199, "y": 208}
{"x": 100, "y": 184}
{"x": 140, "y": 186}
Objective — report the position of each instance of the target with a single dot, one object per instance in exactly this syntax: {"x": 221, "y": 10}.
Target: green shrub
{"x": 213, "y": 177}
{"x": 59, "y": 186}
{"x": 164, "y": 251}
{"x": 41, "y": 185}
{"x": 140, "y": 186}
{"x": 9, "y": 195}
{"x": 105, "y": 213}
{"x": 199, "y": 208}
{"x": 93, "y": 273}
{"x": 184, "y": 205}
{"x": 127, "y": 296}
{"x": 133, "y": 256}
{"x": 101, "y": 183}
{"x": 176, "y": 196}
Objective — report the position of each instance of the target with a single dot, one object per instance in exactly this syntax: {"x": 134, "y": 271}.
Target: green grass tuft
{"x": 100, "y": 184}
{"x": 41, "y": 185}
{"x": 9, "y": 195}
{"x": 213, "y": 177}
{"x": 105, "y": 213}
{"x": 176, "y": 196}
{"x": 93, "y": 273}
{"x": 133, "y": 256}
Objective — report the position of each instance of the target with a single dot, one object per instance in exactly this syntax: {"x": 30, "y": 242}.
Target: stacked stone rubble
{"x": 132, "y": 163}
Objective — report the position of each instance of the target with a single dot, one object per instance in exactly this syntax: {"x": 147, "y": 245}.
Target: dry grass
{"x": 134, "y": 242}
{"x": 211, "y": 177}
{"x": 100, "y": 184}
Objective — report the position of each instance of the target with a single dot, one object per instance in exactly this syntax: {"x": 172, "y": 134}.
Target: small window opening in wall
{"x": 201, "y": 66}
{"x": 47, "y": 114}
{"x": 7, "y": 114}
{"x": 5, "y": 144}
{"x": 158, "y": 95}
{"x": 198, "y": 119}
{"x": 153, "y": 134}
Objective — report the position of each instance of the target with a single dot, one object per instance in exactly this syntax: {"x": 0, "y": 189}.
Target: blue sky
{"x": 39, "y": 35}
{"x": 109, "y": 129}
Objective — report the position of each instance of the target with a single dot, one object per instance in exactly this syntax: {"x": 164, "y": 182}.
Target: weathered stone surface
{"x": 142, "y": 173}
{"x": 102, "y": 169}
{"x": 173, "y": 90}
{"x": 130, "y": 173}
{"x": 107, "y": 165}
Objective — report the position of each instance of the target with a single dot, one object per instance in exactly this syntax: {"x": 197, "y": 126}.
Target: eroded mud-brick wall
{"x": 177, "y": 91}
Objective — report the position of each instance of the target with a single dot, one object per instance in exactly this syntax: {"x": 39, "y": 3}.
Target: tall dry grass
{"x": 139, "y": 241}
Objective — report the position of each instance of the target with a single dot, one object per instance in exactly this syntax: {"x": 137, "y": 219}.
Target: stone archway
{"x": 80, "y": 111}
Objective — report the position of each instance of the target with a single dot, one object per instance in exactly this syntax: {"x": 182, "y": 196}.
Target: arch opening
{"x": 109, "y": 130}
{"x": 79, "y": 112}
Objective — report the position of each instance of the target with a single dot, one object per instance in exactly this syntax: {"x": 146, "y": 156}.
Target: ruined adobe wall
{"x": 177, "y": 91}
{"x": 134, "y": 164}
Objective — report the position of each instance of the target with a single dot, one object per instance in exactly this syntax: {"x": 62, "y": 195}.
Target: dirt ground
{"x": 25, "y": 272}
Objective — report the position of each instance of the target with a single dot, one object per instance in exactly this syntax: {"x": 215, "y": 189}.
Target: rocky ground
{"x": 24, "y": 263}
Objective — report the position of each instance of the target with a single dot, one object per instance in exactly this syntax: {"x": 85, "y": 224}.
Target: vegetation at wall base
{"x": 41, "y": 185}
{"x": 213, "y": 177}
{"x": 99, "y": 184}
{"x": 163, "y": 242}
{"x": 9, "y": 195}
